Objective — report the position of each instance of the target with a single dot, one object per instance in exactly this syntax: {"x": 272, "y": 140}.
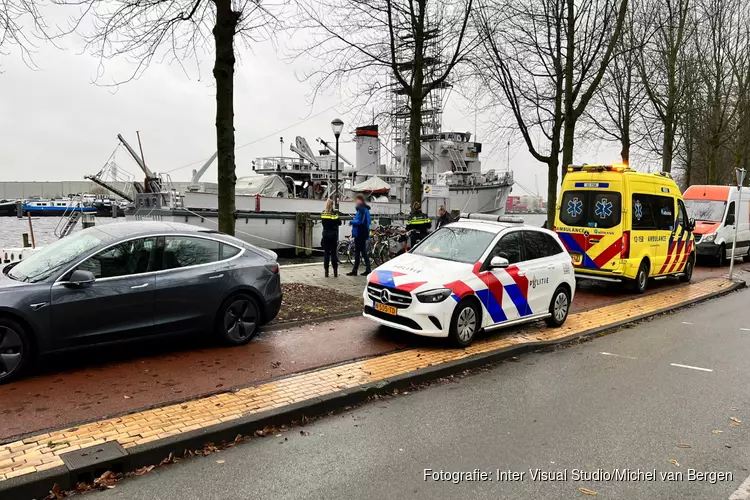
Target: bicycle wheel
{"x": 342, "y": 252}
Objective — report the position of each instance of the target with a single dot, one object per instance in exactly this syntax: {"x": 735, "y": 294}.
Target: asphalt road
{"x": 615, "y": 402}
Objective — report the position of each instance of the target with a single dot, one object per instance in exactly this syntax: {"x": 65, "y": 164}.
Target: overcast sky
{"x": 55, "y": 124}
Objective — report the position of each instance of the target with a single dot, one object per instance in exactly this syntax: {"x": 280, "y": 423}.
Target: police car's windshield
{"x": 459, "y": 244}
{"x": 706, "y": 210}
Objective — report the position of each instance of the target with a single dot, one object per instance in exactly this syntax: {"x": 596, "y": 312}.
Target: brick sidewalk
{"x": 42, "y": 452}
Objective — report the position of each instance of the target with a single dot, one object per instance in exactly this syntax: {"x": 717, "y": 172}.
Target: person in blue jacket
{"x": 361, "y": 233}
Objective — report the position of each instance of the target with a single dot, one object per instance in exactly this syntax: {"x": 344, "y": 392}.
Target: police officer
{"x": 331, "y": 223}
{"x": 419, "y": 222}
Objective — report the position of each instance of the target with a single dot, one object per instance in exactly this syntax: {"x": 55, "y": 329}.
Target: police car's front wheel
{"x": 464, "y": 323}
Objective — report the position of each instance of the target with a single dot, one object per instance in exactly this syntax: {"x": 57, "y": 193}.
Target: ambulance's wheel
{"x": 746, "y": 258}
{"x": 464, "y": 323}
{"x": 559, "y": 307}
{"x": 688, "y": 273}
{"x": 641, "y": 279}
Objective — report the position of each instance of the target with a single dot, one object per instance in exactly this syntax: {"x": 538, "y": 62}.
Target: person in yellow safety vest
{"x": 419, "y": 222}
{"x": 331, "y": 223}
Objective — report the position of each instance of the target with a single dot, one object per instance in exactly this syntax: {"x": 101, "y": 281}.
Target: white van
{"x": 715, "y": 211}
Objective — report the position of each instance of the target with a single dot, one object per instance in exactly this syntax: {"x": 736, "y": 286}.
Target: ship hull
{"x": 272, "y": 222}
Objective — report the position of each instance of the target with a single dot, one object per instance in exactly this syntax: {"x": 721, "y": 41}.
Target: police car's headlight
{"x": 433, "y": 296}
{"x": 708, "y": 238}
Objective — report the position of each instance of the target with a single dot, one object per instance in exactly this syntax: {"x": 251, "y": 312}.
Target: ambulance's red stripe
{"x": 669, "y": 257}
{"x": 679, "y": 256}
{"x": 610, "y": 253}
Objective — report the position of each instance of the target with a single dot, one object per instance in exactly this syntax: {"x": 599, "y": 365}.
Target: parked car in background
{"x": 480, "y": 273}
{"x": 714, "y": 209}
{"x": 134, "y": 280}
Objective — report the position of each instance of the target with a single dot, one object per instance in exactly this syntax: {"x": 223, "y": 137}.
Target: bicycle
{"x": 345, "y": 249}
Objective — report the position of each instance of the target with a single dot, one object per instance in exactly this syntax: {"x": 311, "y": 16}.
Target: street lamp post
{"x": 337, "y": 126}
{"x": 740, "y": 173}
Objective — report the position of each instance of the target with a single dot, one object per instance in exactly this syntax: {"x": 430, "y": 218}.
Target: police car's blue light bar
{"x": 494, "y": 218}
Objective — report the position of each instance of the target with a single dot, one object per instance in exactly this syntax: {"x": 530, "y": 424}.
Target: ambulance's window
{"x": 590, "y": 209}
{"x": 605, "y": 209}
{"x": 664, "y": 213}
{"x": 643, "y": 211}
{"x": 680, "y": 214}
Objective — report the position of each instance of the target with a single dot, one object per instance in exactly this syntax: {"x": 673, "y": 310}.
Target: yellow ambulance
{"x": 621, "y": 225}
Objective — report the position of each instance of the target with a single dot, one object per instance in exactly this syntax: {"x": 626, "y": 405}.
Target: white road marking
{"x": 743, "y": 492}
{"x": 687, "y": 323}
{"x": 617, "y": 355}
{"x": 745, "y": 329}
{"x": 691, "y": 367}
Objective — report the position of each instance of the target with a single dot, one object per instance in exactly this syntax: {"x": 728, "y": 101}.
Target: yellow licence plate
{"x": 577, "y": 258}
{"x": 385, "y": 308}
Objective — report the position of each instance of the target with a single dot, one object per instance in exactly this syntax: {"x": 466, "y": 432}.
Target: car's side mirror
{"x": 691, "y": 224}
{"x": 81, "y": 278}
{"x": 499, "y": 262}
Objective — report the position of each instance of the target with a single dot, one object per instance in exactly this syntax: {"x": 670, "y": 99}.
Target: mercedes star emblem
{"x": 385, "y": 296}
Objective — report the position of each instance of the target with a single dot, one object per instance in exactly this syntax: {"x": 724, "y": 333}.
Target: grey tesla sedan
{"x": 134, "y": 280}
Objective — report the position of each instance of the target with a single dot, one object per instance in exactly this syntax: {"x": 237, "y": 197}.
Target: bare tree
{"x": 593, "y": 30}
{"x": 141, "y": 31}
{"x": 21, "y": 27}
{"x": 547, "y": 58}
{"x": 668, "y": 28}
{"x": 523, "y": 70}
{"x": 387, "y": 46}
{"x": 616, "y": 107}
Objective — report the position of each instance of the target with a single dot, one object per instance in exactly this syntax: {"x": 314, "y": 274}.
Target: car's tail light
{"x": 274, "y": 268}
{"x": 625, "y": 251}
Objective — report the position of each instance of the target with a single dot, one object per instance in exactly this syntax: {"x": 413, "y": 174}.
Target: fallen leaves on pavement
{"x": 735, "y": 419}
{"x": 684, "y": 445}
{"x": 587, "y": 491}
{"x": 302, "y": 302}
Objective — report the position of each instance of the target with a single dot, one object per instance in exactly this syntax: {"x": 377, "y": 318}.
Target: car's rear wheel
{"x": 238, "y": 320}
{"x": 15, "y": 350}
{"x": 559, "y": 307}
{"x": 464, "y": 323}
{"x": 688, "y": 273}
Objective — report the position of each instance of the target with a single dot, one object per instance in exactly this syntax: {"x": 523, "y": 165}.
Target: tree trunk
{"x": 625, "y": 151}
{"x": 552, "y": 191}
{"x": 569, "y": 121}
{"x": 415, "y": 147}
{"x": 224, "y": 30}
{"x": 668, "y": 143}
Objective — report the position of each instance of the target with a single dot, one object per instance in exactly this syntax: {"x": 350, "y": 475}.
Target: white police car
{"x": 482, "y": 272}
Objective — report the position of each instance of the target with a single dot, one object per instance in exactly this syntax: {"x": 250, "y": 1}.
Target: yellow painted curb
{"x": 41, "y": 452}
